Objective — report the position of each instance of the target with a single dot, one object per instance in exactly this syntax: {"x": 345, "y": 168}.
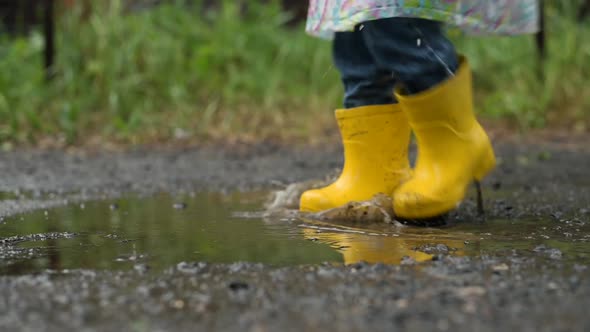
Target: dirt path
{"x": 487, "y": 293}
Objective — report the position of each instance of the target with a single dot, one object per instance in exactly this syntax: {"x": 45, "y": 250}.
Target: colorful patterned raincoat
{"x": 509, "y": 17}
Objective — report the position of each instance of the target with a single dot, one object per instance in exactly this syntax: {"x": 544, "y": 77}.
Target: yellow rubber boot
{"x": 453, "y": 148}
{"x": 375, "y": 140}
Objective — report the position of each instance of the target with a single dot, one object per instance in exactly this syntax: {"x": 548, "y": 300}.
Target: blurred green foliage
{"x": 511, "y": 82}
{"x": 179, "y": 71}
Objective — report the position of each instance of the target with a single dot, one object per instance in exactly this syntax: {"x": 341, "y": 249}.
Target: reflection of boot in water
{"x": 387, "y": 249}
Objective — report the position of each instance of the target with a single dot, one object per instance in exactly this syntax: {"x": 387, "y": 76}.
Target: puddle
{"x": 162, "y": 230}
{"x": 559, "y": 240}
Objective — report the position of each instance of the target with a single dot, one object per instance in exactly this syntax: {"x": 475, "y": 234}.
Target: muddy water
{"x": 161, "y": 231}
{"x": 556, "y": 240}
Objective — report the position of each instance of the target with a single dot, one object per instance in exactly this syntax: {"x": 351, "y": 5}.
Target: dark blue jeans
{"x": 380, "y": 54}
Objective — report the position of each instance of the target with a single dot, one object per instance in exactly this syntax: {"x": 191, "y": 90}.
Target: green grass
{"x": 176, "y": 72}
{"x": 508, "y": 80}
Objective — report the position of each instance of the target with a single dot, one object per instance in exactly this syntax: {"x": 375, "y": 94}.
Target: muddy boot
{"x": 453, "y": 148}
{"x": 375, "y": 140}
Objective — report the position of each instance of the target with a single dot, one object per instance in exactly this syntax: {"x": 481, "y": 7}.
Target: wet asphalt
{"x": 510, "y": 291}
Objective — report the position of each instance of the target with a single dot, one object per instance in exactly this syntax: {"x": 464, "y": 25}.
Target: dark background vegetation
{"x": 150, "y": 71}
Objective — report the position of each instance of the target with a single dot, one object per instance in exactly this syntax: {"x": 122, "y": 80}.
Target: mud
{"x": 533, "y": 287}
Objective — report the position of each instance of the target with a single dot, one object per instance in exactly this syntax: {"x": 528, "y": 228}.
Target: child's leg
{"x": 365, "y": 83}
{"x": 435, "y": 94}
{"x": 415, "y": 50}
{"x": 375, "y": 131}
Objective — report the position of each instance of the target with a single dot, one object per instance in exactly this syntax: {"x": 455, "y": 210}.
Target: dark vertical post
{"x": 541, "y": 41}
{"x": 541, "y": 37}
{"x": 49, "y": 33}
{"x": 584, "y": 11}
{"x": 298, "y": 8}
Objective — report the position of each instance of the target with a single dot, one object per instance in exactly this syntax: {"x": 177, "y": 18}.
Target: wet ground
{"x": 150, "y": 240}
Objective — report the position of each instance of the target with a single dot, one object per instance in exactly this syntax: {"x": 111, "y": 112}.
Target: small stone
{"x": 141, "y": 268}
{"x": 358, "y": 266}
{"x": 540, "y": 248}
{"x": 402, "y": 303}
{"x": 190, "y": 268}
{"x": 238, "y": 285}
{"x": 442, "y": 248}
{"x": 555, "y": 254}
{"x": 470, "y": 291}
{"x": 407, "y": 260}
{"x": 497, "y": 185}
{"x": 178, "y": 304}
{"x": 470, "y": 307}
{"x": 326, "y": 272}
{"x": 501, "y": 267}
